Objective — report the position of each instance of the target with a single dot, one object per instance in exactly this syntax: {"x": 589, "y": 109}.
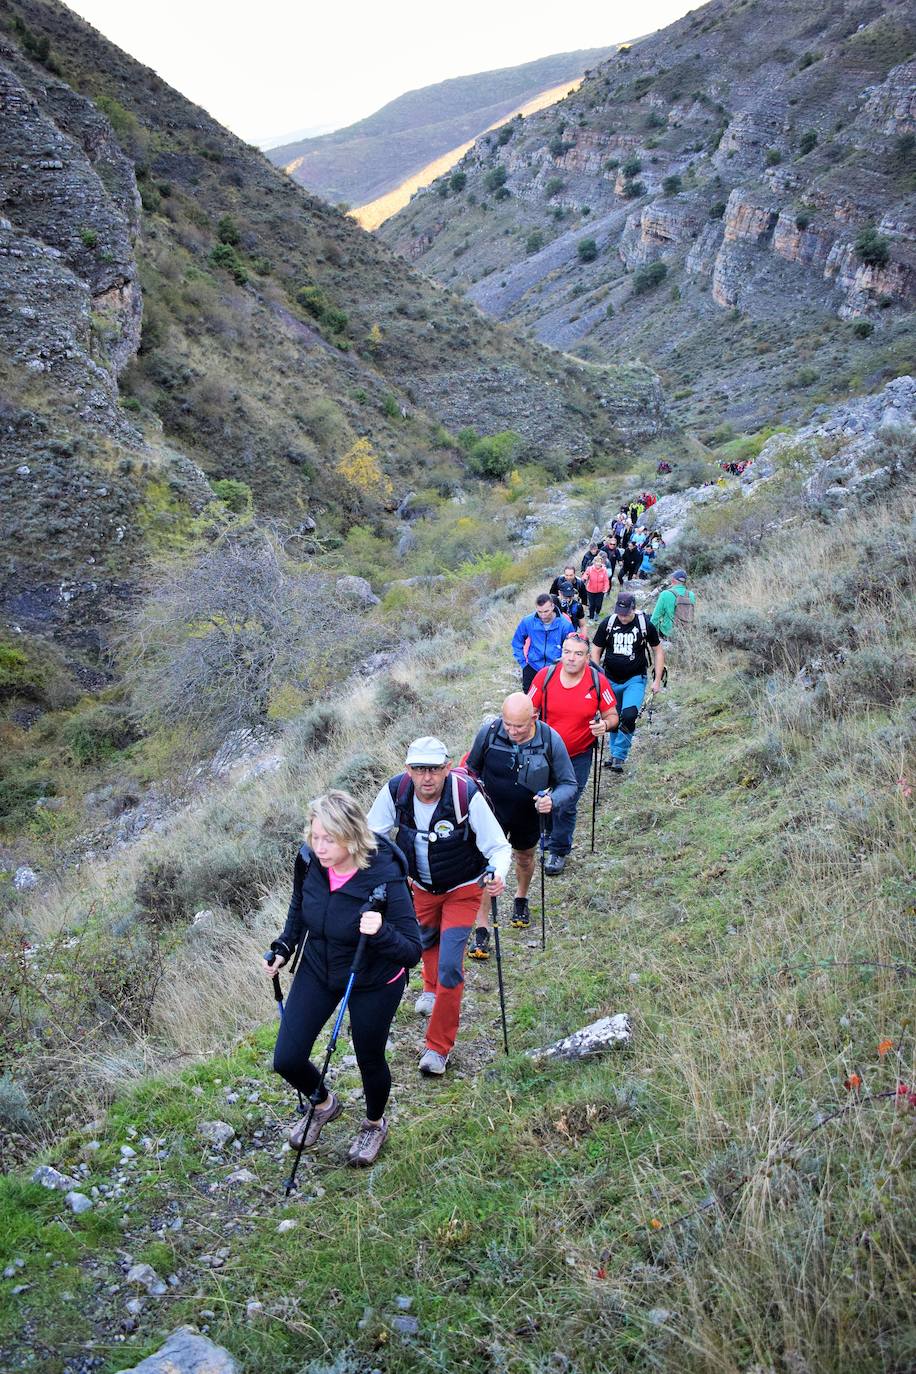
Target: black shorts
{"x": 522, "y": 826}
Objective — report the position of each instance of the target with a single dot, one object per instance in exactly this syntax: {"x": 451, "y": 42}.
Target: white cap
{"x": 427, "y": 749}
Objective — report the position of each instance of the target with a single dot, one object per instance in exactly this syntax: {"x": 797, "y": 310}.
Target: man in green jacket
{"x": 675, "y": 605}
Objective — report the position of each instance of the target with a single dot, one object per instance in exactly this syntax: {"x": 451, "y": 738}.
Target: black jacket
{"x": 330, "y": 920}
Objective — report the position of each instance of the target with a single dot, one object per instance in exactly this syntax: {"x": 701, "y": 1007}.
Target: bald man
{"x": 525, "y": 768}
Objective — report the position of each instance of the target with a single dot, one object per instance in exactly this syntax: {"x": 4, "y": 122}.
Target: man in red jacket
{"x": 577, "y": 701}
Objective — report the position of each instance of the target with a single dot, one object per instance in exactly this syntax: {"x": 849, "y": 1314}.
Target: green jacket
{"x": 663, "y": 615}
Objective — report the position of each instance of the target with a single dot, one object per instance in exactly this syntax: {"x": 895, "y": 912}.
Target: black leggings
{"x": 371, "y": 1011}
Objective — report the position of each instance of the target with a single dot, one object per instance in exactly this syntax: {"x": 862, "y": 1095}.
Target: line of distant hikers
{"x": 411, "y": 881}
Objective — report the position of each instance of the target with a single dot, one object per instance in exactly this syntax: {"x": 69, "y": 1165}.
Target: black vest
{"x": 451, "y": 845}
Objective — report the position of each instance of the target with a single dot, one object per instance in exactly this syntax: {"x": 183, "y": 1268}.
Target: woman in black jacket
{"x": 335, "y": 899}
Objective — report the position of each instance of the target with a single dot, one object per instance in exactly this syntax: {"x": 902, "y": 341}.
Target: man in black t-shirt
{"x": 621, "y": 646}
{"x": 568, "y": 575}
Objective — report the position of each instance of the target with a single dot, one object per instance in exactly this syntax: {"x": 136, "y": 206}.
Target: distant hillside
{"x": 364, "y": 161}
{"x": 733, "y": 197}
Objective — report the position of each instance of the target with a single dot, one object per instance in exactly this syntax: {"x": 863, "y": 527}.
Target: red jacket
{"x": 596, "y": 578}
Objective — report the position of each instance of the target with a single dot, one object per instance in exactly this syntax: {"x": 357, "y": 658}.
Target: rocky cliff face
{"x": 763, "y": 155}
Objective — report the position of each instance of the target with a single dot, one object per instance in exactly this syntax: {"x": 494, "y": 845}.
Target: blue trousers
{"x": 564, "y": 817}
{"x": 630, "y": 696}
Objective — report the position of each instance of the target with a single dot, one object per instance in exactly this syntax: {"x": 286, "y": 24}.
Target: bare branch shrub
{"x": 221, "y": 632}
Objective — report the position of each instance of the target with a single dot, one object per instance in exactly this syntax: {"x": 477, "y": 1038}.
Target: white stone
{"x": 146, "y": 1276}
{"x": 242, "y": 1176}
{"x": 187, "y": 1352}
{"x": 216, "y": 1133}
{"x": 607, "y": 1033}
{"x": 23, "y": 471}
{"x": 52, "y": 1178}
{"x": 25, "y": 879}
{"x": 287, "y": 1225}
{"x": 78, "y": 1202}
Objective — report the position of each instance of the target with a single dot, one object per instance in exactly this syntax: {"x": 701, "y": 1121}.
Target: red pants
{"x": 446, "y": 920}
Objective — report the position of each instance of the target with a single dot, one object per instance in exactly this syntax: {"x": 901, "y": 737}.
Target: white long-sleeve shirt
{"x": 488, "y": 832}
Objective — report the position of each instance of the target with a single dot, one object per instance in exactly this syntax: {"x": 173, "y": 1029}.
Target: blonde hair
{"x": 343, "y": 819}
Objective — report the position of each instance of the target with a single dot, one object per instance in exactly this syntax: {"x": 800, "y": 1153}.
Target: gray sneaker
{"x": 330, "y": 1111}
{"x": 366, "y": 1144}
{"x": 424, "y": 1004}
{"x": 433, "y": 1064}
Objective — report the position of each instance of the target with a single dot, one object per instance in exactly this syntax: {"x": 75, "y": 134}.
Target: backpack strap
{"x": 400, "y": 789}
{"x": 550, "y": 672}
{"x": 462, "y": 796}
{"x": 650, "y": 656}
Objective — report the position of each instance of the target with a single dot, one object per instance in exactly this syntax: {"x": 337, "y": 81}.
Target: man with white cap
{"x": 450, "y": 837}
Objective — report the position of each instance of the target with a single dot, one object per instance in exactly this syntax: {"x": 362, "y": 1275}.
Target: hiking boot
{"x": 424, "y": 1004}
{"x": 433, "y": 1064}
{"x": 329, "y": 1111}
{"x": 555, "y": 865}
{"x": 616, "y": 765}
{"x": 480, "y": 949}
{"x": 521, "y": 918}
{"x": 366, "y": 1144}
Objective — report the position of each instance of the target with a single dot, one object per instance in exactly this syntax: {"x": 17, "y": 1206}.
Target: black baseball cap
{"x": 566, "y": 587}
{"x": 625, "y": 602}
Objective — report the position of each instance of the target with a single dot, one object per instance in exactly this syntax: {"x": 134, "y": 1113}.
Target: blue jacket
{"x": 546, "y": 640}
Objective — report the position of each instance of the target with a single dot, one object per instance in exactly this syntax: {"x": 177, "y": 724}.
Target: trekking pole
{"x": 486, "y": 877}
{"x": 317, "y": 1093}
{"x": 543, "y": 820}
{"x": 597, "y": 769}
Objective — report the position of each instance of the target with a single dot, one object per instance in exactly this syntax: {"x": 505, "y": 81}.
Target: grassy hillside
{"x": 363, "y": 161}
{"x": 735, "y": 1192}
{"x": 702, "y": 200}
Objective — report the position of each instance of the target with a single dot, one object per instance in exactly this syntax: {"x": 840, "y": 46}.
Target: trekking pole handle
{"x": 270, "y": 958}
{"x": 486, "y": 876}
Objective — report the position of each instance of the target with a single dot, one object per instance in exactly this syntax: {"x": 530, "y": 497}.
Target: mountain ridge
{"x": 365, "y": 160}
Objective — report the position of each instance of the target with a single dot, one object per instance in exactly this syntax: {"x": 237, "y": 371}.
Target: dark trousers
{"x": 528, "y": 676}
{"x": 371, "y": 1012}
{"x": 595, "y": 602}
{"x": 563, "y": 818}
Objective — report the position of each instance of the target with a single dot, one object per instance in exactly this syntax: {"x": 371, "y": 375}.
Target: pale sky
{"x": 272, "y": 68}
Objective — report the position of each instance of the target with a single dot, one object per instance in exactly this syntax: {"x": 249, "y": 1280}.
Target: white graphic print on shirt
{"x": 625, "y": 641}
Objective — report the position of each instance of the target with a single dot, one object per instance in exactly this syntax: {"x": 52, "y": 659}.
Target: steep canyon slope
{"x": 176, "y": 311}
{"x": 733, "y": 198}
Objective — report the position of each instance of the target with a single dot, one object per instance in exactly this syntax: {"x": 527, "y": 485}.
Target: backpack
{"x": 685, "y": 609}
{"x": 596, "y": 684}
{"x": 488, "y": 740}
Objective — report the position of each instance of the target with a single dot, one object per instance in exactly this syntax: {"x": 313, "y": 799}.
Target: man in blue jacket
{"x": 544, "y": 632}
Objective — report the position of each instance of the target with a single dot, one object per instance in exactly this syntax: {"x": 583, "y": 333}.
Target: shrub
{"x": 14, "y": 1106}
{"x": 498, "y": 177}
{"x": 863, "y": 329}
{"x": 17, "y": 676}
{"x": 587, "y": 250}
{"x": 671, "y": 185}
{"x": 717, "y": 209}
{"x": 873, "y": 248}
{"x": 458, "y": 181}
{"x": 558, "y": 147}
{"x": 654, "y": 120}
{"x": 503, "y": 135}
{"x": 236, "y": 496}
{"x": 534, "y": 242}
{"x": 225, "y": 256}
{"x": 394, "y": 700}
{"x": 772, "y": 157}
{"x": 554, "y": 185}
{"x": 227, "y": 231}
{"x": 315, "y": 302}
{"x": 317, "y": 727}
{"x": 632, "y": 189}
{"x": 89, "y": 238}
{"x": 647, "y": 277}
{"x": 95, "y": 733}
{"x": 361, "y": 774}
{"x": 360, "y": 467}
{"x": 808, "y": 142}
{"x": 502, "y": 193}
{"x": 802, "y": 220}
{"x": 495, "y": 455}
{"x": 632, "y": 167}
